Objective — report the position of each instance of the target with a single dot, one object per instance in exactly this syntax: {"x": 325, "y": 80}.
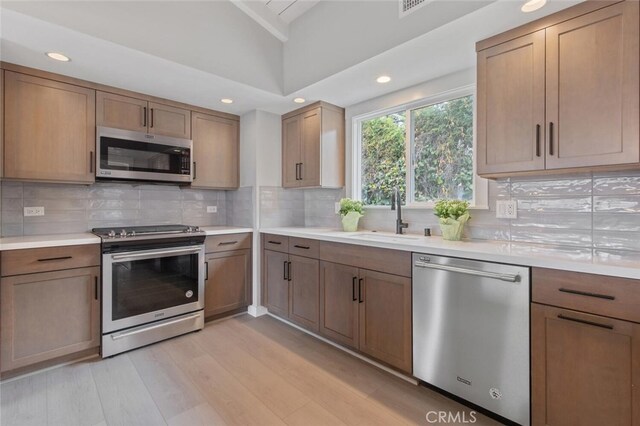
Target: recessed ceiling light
{"x": 226, "y": 101}
{"x": 58, "y": 56}
{"x": 532, "y": 5}
{"x": 383, "y": 79}
{"x": 299, "y": 100}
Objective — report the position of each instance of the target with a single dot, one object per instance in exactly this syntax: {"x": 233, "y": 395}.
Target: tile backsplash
{"x": 78, "y": 208}
{"x": 299, "y": 207}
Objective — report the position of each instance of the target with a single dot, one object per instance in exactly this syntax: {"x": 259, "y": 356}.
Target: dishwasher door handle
{"x": 486, "y": 274}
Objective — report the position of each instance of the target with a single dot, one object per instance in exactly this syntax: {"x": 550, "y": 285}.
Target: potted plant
{"x": 351, "y": 212}
{"x": 453, "y": 214}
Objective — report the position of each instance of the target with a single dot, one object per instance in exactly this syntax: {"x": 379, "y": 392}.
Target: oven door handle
{"x": 154, "y": 253}
{"x": 118, "y": 336}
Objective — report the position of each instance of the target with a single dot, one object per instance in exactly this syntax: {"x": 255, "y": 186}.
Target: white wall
{"x": 269, "y": 149}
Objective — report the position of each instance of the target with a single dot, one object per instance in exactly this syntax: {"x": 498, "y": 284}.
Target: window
{"x": 426, "y": 150}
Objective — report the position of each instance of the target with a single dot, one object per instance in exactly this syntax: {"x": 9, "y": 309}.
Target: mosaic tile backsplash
{"x": 78, "y": 208}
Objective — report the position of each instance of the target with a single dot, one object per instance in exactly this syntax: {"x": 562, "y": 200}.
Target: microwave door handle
{"x": 125, "y": 257}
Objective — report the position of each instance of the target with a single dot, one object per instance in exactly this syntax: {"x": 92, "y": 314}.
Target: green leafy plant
{"x": 451, "y": 209}
{"x": 348, "y": 205}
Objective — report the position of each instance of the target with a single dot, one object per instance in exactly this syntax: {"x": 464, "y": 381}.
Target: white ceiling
{"x": 199, "y": 52}
{"x": 289, "y": 10}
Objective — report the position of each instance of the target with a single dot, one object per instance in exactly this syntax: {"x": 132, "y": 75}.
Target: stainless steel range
{"x": 153, "y": 284}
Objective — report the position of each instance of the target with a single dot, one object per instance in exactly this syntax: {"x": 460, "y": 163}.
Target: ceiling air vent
{"x": 409, "y": 6}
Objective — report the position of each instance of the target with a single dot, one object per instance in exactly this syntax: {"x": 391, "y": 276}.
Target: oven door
{"x": 124, "y": 154}
{"x": 150, "y": 285}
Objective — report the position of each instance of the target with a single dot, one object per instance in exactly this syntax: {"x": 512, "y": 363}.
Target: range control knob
{"x": 123, "y": 233}
{"x": 111, "y": 234}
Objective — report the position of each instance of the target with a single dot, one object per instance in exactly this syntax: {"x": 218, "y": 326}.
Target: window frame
{"x": 480, "y": 185}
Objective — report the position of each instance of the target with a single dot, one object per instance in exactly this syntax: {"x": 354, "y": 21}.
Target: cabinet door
{"x": 304, "y": 305}
{"x": 216, "y": 152}
{"x": 310, "y": 148}
{"x": 48, "y": 315}
{"x": 339, "y": 303}
{"x": 121, "y": 112}
{"x": 592, "y": 89}
{"x": 291, "y": 135}
{"x": 50, "y": 131}
{"x": 276, "y": 284}
{"x": 166, "y": 120}
{"x": 228, "y": 282}
{"x": 511, "y": 106}
{"x": 385, "y": 318}
{"x": 585, "y": 369}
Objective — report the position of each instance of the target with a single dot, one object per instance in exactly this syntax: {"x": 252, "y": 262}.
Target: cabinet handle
{"x": 284, "y": 273}
{"x": 151, "y": 124}
{"x": 537, "y": 140}
{"x": 274, "y": 242}
{"x": 581, "y": 321}
{"x": 91, "y": 161}
{"x": 144, "y": 116}
{"x": 297, "y": 171}
{"x": 95, "y": 287}
{"x": 302, "y": 247}
{"x": 360, "y": 290}
{"x": 288, "y": 271}
{"x": 550, "y": 138}
{"x": 49, "y": 259}
{"x": 353, "y": 289}
{"x": 586, "y": 293}
{"x": 301, "y": 171}
{"x": 206, "y": 271}
{"x": 227, "y": 243}
{"x": 194, "y": 170}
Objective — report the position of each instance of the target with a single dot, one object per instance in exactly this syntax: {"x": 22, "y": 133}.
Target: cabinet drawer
{"x": 304, "y": 247}
{"x": 597, "y": 294}
{"x": 218, "y": 243}
{"x": 29, "y": 261}
{"x": 276, "y": 243}
{"x": 394, "y": 262}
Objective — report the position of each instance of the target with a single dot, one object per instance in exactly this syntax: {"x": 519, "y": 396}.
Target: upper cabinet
{"x": 49, "y": 130}
{"x": 561, "y": 94}
{"x": 313, "y": 147}
{"x": 216, "y": 151}
{"x": 124, "y": 112}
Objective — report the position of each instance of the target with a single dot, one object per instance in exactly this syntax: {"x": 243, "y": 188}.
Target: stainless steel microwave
{"x": 125, "y": 154}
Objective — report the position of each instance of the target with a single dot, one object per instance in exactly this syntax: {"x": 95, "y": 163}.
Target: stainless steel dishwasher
{"x": 471, "y": 332}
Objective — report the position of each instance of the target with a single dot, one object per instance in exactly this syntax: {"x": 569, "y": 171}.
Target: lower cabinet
{"x": 585, "y": 369}
{"x": 367, "y": 310}
{"x": 292, "y": 287}
{"x": 48, "y": 315}
{"x": 228, "y": 281}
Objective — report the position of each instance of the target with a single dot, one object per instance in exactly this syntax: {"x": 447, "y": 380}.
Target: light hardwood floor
{"x": 240, "y": 371}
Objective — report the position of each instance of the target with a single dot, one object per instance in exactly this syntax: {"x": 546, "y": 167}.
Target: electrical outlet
{"x": 337, "y": 208}
{"x": 212, "y": 209}
{"x": 506, "y": 209}
{"x": 34, "y": 211}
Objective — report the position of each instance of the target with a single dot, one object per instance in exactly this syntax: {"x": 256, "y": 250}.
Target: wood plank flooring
{"x": 240, "y": 371}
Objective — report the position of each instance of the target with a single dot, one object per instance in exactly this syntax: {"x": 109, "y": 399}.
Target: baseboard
{"x": 257, "y": 311}
{"x": 349, "y": 351}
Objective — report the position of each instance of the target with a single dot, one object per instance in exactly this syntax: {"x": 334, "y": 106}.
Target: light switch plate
{"x": 506, "y": 209}
{"x": 34, "y": 211}
{"x": 212, "y": 209}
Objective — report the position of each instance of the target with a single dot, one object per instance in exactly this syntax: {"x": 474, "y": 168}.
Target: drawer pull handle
{"x": 586, "y": 293}
{"x": 581, "y": 321}
{"x": 227, "y": 243}
{"x": 49, "y": 259}
{"x": 302, "y": 247}
{"x": 275, "y": 242}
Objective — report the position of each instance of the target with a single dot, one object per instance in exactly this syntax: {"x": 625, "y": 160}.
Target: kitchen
{"x": 320, "y": 212}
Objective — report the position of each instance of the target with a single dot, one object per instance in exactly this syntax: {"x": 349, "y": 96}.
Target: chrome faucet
{"x": 396, "y": 204}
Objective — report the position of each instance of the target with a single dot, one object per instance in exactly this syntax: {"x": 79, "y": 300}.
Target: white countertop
{"x": 39, "y": 241}
{"x": 553, "y": 257}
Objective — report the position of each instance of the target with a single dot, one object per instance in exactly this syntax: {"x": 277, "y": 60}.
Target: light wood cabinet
{"x": 585, "y": 369}
{"x": 49, "y": 130}
{"x": 228, "y": 282}
{"x": 562, "y": 97}
{"x": 313, "y": 147}
{"x": 124, "y": 112}
{"x": 216, "y": 151}
{"x": 304, "y": 287}
{"x": 276, "y": 283}
{"x": 49, "y": 315}
{"x": 339, "y": 303}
